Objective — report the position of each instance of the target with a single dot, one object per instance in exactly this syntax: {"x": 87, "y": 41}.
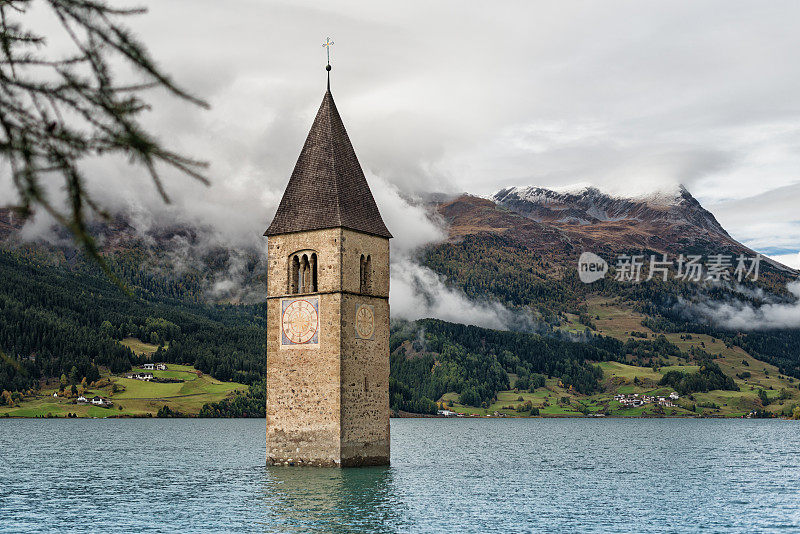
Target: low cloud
{"x": 236, "y": 283}
{"x": 419, "y": 293}
{"x": 790, "y": 260}
{"x": 231, "y": 258}
{"x": 744, "y": 316}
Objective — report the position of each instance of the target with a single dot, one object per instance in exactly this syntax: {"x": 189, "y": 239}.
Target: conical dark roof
{"x": 327, "y": 188}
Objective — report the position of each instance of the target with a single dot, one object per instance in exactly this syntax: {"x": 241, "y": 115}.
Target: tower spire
{"x": 327, "y": 188}
{"x": 327, "y": 44}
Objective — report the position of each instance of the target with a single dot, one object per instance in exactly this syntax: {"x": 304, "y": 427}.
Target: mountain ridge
{"x": 591, "y": 205}
{"x": 564, "y": 221}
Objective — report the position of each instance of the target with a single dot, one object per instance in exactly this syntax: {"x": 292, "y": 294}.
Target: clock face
{"x": 300, "y": 321}
{"x": 365, "y": 321}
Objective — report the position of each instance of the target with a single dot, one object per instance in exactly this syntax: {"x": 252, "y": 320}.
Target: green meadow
{"x": 615, "y": 320}
{"x": 131, "y": 397}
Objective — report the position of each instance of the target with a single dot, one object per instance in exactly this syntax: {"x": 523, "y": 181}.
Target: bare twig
{"x": 57, "y": 111}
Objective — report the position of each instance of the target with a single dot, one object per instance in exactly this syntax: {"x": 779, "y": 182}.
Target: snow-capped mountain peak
{"x": 585, "y": 205}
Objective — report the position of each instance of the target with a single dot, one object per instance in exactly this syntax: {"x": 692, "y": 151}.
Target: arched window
{"x": 313, "y": 276}
{"x": 305, "y": 278}
{"x": 362, "y": 274}
{"x": 369, "y": 274}
{"x": 303, "y": 272}
{"x": 365, "y": 272}
{"x": 294, "y": 275}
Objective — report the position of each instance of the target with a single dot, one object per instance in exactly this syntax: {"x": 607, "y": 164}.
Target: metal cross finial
{"x": 327, "y": 44}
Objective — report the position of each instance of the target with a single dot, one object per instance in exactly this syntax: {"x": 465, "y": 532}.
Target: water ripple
{"x": 460, "y": 475}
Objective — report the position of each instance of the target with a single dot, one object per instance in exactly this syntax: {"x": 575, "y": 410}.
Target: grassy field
{"x": 178, "y": 375}
{"x": 616, "y": 320}
{"x": 139, "y": 348}
{"x": 132, "y": 397}
{"x": 628, "y": 372}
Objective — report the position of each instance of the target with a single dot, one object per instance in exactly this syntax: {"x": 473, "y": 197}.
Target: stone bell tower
{"x": 328, "y": 309}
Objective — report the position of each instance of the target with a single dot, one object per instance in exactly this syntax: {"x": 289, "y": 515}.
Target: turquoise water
{"x": 447, "y": 475}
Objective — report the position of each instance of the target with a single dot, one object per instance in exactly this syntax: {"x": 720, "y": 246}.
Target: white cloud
{"x": 409, "y": 221}
{"x": 790, "y": 260}
{"x": 419, "y": 293}
{"x": 744, "y": 316}
{"x": 449, "y": 96}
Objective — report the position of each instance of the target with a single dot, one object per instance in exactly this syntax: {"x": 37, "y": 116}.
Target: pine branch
{"x": 57, "y": 110}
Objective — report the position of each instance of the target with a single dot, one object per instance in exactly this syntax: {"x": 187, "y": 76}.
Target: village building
{"x": 634, "y": 400}
{"x": 140, "y": 376}
{"x": 328, "y": 309}
{"x": 148, "y": 366}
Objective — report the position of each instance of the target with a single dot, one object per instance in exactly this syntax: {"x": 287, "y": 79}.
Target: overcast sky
{"x": 468, "y": 96}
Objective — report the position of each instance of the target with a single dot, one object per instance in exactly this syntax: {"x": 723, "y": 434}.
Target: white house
{"x": 632, "y": 400}
{"x": 140, "y": 376}
{"x": 674, "y": 396}
{"x": 161, "y": 367}
{"x": 82, "y": 399}
{"x": 149, "y": 366}
{"x": 99, "y": 401}
{"x": 55, "y": 394}
{"x": 445, "y": 413}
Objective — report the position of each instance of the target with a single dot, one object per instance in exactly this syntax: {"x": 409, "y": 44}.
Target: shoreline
{"x": 409, "y": 415}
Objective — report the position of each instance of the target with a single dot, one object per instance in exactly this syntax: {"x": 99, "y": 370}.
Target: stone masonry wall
{"x": 303, "y": 402}
{"x": 329, "y": 405}
{"x": 365, "y": 362}
{"x": 303, "y": 425}
{"x": 365, "y": 386}
{"x": 326, "y": 243}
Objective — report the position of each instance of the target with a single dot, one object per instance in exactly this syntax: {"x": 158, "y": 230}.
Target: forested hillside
{"x": 54, "y": 319}
{"x": 430, "y": 358}
{"x": 475, "y": 362}
{"x": 502, "y": 267}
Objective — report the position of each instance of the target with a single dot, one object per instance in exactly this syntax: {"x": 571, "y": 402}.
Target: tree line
{"x": 53, "y": 319}
{"x": 432, "y": 357}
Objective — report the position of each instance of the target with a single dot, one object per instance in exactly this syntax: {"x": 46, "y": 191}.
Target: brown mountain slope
{"x": 556, "y": 225}
{"x": 523, "y": 245}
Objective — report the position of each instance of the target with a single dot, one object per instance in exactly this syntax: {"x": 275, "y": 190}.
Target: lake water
{"x": 447, "y": 475}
